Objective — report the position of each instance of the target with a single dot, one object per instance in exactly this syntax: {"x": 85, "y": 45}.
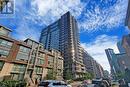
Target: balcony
{"x": 50, "y": 65}
{"x": 18, "y": 70}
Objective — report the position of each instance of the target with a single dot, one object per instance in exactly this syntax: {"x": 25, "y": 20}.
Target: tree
{"x": 88, "y": 75}
{"x": 85, "y": 76}
{"x": 92, "y": 75}
{"x": 127, "y": 75}
{"x": 68, "y": 75}
{"x": 120, "y": 75}
{"x": 51, "y": 75}
{"x": 12, "y": 83}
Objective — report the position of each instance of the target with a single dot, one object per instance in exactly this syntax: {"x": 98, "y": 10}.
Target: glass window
{"x": 50, "y": 70}
{"x": 50, "y": 61}
{"x": 21, "y": 76}
{"x": 14, "y": 76}
{"x": 50, "y": 58}
{"x": 54, "y": 41}
{"x": 54, "y": 25}
{"x": 1, "y": 65}
{"x": 4, "y": 53}
{"x": 40, "y": 61}
{"x": 43, "y": 39}
{"x": 22, "y": 56}
{"x": 24, "y": 49}
{"x": 42, "y": 55}
{"x": 19, "y": 68}
{"x": 3, "y": 31}
{"x": 17, "y": 76}
{"x": 41, "y": 47}
{"x": 23, "y": 53}
{"x": 5, "y": 43}
{"x": 38, "y": 69}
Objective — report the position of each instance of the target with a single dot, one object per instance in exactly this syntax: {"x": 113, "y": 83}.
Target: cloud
{"x": 92, "y": 15}
{"x": 56, "y": 7}
{"x": 22, "y": 27}
{"x": 127, "y": 30}
{"x": 33, "y": 15}
{"x": 97, "y": 48}
{"x": 104, "y": 15}
{"x": 48, "y": 11}
{"x": 25, "y": 30}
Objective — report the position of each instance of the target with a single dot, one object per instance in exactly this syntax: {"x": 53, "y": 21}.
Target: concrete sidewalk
{"x": 76, "y": 83}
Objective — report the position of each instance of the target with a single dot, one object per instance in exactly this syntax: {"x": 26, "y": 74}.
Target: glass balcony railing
{"x": 18, "y": 70}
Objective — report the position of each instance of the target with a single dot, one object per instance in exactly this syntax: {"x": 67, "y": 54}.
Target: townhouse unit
{"x": 20, "y": 59}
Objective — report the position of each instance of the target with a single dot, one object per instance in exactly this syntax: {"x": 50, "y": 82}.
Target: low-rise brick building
{"x": 19, "y": 59}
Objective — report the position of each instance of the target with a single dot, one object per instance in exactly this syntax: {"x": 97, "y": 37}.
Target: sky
{"x": 101, "y": 22}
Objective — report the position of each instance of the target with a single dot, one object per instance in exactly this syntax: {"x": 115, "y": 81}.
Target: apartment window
{"x": 54, "y": 39}
{"x": 50, "y": 59}
{"x": 40, "y": 61}
{"x": 1, "y": 65}
{"x": 38, "y": 70}
{"x": 22, "y": 56}
{"x": 41, "y": 47}
{"x": 3, "y": 31}
{"x": 50, "y": 70}
{"x": 14, "y": 76}
{"x": 43, "y": 39}
{"x": 24, "y": 49}
{"x": 18, "y": 71}
{"x": 41, "y": 55}
{"x": 54, "y": 25}
{"x": 23, "y": 53}
{"x": 17, "y": 76}
{"x": 5, "y": 43}
{"x": 19, "y": 68}
{"x": 3, "y": 53}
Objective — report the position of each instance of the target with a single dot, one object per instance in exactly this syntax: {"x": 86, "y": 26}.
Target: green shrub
{"x": 12, "y": 83}
{"x": 70, "y": 81}
{"x": 79, "y": 79}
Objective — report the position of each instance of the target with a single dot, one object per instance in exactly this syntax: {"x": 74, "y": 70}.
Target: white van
{"x": 53, "y": 83}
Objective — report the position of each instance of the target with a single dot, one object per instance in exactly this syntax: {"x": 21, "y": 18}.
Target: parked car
{"x": 87, "y": 83}
{"x": 97, "y": 82}
{"x": 114, "y": 82}
{"x": 53, "y": 83}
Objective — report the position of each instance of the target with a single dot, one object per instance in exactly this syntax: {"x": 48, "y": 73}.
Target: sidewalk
{"x": 76, "y": 83}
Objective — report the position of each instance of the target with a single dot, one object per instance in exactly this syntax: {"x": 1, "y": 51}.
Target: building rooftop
{"x": 30, "y": 40}
{"x": 6, "y": 28}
